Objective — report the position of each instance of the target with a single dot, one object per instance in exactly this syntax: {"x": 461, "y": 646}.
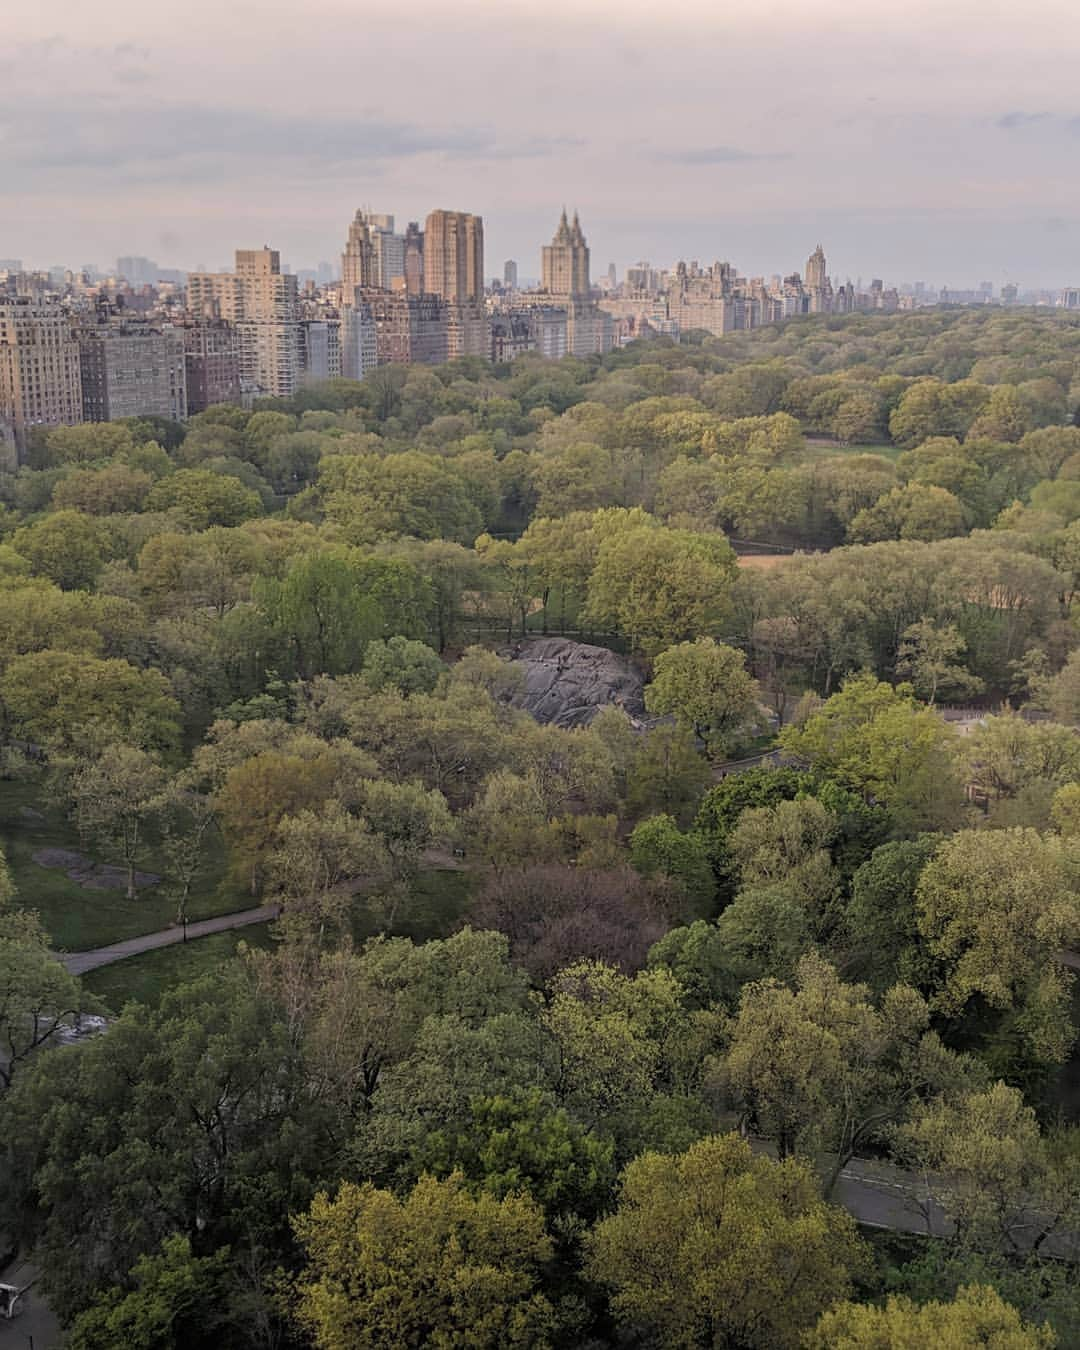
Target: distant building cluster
{"x": 151, "y": 341}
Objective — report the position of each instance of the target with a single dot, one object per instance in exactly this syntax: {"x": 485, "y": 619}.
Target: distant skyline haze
{"x": 930, "y": 142}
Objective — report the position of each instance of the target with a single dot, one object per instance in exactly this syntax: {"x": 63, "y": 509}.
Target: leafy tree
{"x": 68, "y": 547}
{"x": 200, "y": 498}
{"x": 403, "y": 664}
{"x": 659, "y": 848}
{"x": 523, "y": 1143}
{"x": 929, "y": 656}
{"x": 1007, "y": 756}
{"x": 879, "y": 741}
{"x": 659, "y": 586}
{"x": 258, "y": 793}
{"x": 668, "y": 775}
{"x": 114, "y": 796}
{"x": 442, "y": 1267}
{"x": 996, "y": 908}
{"x": 38, "y": 998}
{"x": 318, "y": 854}
{"x": 71, "y": 701}
{"x": 978, "y": 1316}
{"x": 915, "y": 511}
{"x": 881, "y": 930}
{"x": 194, "y": 1118}
{"x": 818, "y": 1067}
{"x": 179, "y": 1302}
{"x": 113, "y": 490}
{"x": 721, "y": 1247}
{"x": 321, "y": 614}
{"x": 984, "y": 1162}
{"x": 706, "y": 687}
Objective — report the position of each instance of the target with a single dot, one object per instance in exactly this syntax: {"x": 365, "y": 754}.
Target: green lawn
{"x": 822, "y": 448}
{"x": 440, "y": 897}
{"x": 78, "y": 918}
{"x": 143, "y": 979}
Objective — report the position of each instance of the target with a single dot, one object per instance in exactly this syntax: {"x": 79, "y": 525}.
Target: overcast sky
{"x": 915, "y": 140}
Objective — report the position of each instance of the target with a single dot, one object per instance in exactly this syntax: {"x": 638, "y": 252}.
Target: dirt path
{"x": 78, "y": 963}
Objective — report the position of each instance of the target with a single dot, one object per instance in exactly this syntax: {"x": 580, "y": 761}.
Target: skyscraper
{"x": 815, "y": 270}
{"x": 510, "y": 275}
{"x": 359, "y": 266}
{"x": 454, "y": 257}
{"x": 414, "y": 258}
{"x": 263, "y": 303}
{"x": 564, "y": 263}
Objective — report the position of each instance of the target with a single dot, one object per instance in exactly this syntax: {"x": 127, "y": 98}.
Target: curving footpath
{"x": 78, "y": 963}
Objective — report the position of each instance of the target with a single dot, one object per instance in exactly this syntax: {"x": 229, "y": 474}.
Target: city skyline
{"x": 923, "y": 144}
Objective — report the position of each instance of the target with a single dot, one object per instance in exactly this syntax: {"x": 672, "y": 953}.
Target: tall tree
{"x": 720, "y": 1247}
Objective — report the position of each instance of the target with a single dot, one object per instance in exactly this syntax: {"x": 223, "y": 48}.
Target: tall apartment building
{"x": 359, "y": 340}
{"x": 132, "y": 370}
{"x": 263, "y": 304}
{"x": 815, "y": 270}
{"x": 322, "y": 349}
{"x": 414, "y": 258}
{"x": 454, "y": 257}
{"x": 564, "y": 263}
{"x": 409, "y": 329}
{"x": 212, "y": 364}
{"x": 510, "y": 274}
{"x": 40, "y": 384}
{"x": 374, "y": 255}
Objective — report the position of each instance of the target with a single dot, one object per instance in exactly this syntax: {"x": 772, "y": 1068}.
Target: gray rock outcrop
{"x": 567, "y": 683}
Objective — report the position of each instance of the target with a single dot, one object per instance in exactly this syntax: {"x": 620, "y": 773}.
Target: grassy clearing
{"x": 77, "y": 918}
{"x": 821, "y": 447}
{"x": 143, "y": 979}
{"x": 439, "y": 900}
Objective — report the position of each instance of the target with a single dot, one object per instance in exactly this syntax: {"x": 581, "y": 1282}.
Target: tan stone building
{"x": 454, "y": 257}
{"x": 263, "y": 303}
{"x": 564, "y": 263}
{"x": 40, "y": 369}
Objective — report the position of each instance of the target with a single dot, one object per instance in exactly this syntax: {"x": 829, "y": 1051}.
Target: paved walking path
{"x": 78, "y": 963}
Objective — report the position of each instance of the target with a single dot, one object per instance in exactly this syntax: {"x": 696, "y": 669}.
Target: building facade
{"x": 132, "y": 370}
{"x": 262, "y": 303}
{"x": 212, "y": 364}
{"x": 40, "y": 369}
{"x": 454, "y": 257}
{"x": 564, "y": 263}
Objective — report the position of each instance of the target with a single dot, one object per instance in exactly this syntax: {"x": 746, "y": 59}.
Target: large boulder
{"x": 567, "y": 683}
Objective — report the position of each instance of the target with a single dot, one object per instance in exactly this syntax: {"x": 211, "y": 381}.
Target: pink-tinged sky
{"x": 919, "y": 140}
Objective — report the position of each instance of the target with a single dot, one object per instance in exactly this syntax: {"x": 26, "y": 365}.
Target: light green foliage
{"x": 929, "y": 656}
{"x": 403, "y": 664}
{"x": 997, "y": 907}
{"x": 199, "y": 498}
{"x": 179, "y": 1301}
{"x": 68, "y": 547}
{"x": 71, "y": 701}
{"x": 440, "y": 1268}
{"x": 703, "y": 1248}
{"x": 977, "y": 1317}
{"x": 705, "y": 686}
{"x": 659, "y": 586}
{"x": 878, "y": 740}
{"x": 114, "y": 796}
{"x": 658, "y": 846}
{"x": 1005, "y": 1186}
{"x": 38, "y": 998}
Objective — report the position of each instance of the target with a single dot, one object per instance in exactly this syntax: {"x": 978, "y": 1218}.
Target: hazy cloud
{"x": 1010, "y": 120}
{"x": 718, "y": 154}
